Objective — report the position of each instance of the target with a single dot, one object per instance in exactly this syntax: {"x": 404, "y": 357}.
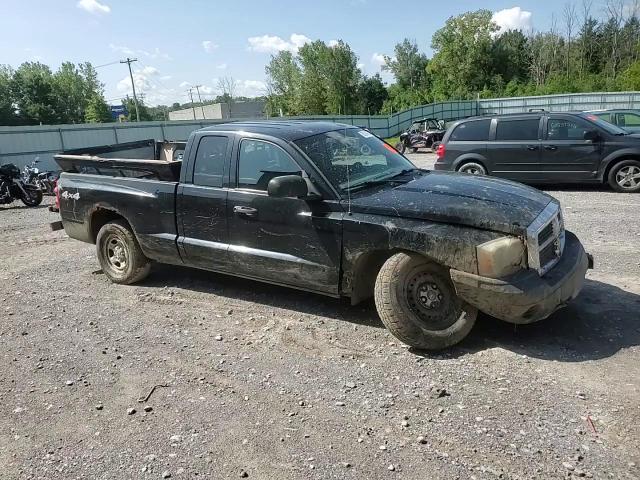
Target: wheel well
{"x": 365, "y": 272}
{"x": 613, "y": 163}
{"x": 100, "y": 218}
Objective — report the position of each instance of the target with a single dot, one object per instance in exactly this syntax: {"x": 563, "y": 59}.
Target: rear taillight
{"x": 440, "y": 151}
{"x": 56, "y": 190}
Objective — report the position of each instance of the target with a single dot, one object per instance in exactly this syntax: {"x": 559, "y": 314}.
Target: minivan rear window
{"x": 475, "y": 130}
{"x": 520, "y": 129}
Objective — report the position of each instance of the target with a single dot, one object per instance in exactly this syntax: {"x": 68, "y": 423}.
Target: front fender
{"x": 366, "y": 236}
{"x": 622, "y": 154}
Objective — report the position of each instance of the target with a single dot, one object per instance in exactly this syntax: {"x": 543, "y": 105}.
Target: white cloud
{"x": 360, "y": 66}
{"x": 221, "y": 66}
{"x": 209, "y": 46}
{"x": 513, "y": 19}
{"x": 377, "y": 59}
{"x": 154, "y": 55}
{"x": 250, "y": 88}
{"x": 185, "y": 84}
{"x": 93, "y": 6}
{"x": 164, "y": 78}
{"x": 149, "y": 71}
{"x": 207, "y": 90}
{"x": 275, "y": 44}
{"x": 140, "y": 80}
{"x": 332, "y": 43}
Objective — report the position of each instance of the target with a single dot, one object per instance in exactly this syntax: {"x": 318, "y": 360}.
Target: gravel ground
{"x": 263, "y": 382}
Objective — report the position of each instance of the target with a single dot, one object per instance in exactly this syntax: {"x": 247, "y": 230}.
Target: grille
{"x": 545, "y": 239}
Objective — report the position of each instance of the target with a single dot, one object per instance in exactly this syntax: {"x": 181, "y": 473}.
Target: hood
{"x": 482, "y": 202}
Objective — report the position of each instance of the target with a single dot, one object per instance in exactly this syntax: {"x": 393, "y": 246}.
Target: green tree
{"x": 145, "y": 114}
{"x": 371, "y": 95}
{"x": 34, "y": 93}
{"x": 313, "y": 89}
{"x": 7, "y": 108}
{"x": 72, "y": 95}
{"x": 283, "y": 82}
{"x": 509, "y": 55}
{"x": 461, "y": 66}
{"x": 97, "y": 111}
{"x": 341, "y": 77}
{"x": 409, "y": 66}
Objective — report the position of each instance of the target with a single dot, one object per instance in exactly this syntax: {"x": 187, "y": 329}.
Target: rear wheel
{"x": 33, "y": 198}
{"x": 119, "y": 254}
{"x": 417, "y": 302}
{"x": 414, "y": 149}
{"x": 625, "y": 176}
{"x": 472, "y": 168}
{"x": 400, "y": 147}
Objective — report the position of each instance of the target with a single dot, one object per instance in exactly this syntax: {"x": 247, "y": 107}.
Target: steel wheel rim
{"x": 628, "y": 177}
{"x": 426, "y": 298}
{"x": 116, "y": 253}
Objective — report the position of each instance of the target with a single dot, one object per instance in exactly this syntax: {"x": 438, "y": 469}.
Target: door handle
{"x": 550, "y": 147}
{"x": 245, "y": 211}
{"x": 532, "y": 147}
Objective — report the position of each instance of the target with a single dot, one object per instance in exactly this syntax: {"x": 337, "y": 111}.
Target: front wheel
{"x": 400, "y": 147}
{"x": 119, "y": 254}
{"x": 33, "y": 196}
{"x": 625, "y": 176}
{"x": 417, "y": 302}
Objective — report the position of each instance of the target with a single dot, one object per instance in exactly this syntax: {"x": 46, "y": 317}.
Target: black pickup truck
{"x": 331, "y": 209}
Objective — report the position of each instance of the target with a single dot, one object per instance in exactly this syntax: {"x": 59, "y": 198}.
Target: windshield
{"x": 608, "y": 127}
{"x": 350, "y": 157}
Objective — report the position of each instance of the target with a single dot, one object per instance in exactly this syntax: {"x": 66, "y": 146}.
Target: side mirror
{"x": 288, "y": 186}
{"x": 592, "y": 135}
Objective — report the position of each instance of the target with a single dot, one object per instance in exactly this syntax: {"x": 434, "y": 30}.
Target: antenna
{"x": 348, "y": 181}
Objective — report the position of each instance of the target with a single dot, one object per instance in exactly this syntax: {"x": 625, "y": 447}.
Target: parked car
{"x": 543, "y": 147}
{"x": 423, "y": 133}
{"x": 330, "y": 209}
{"x": 628, "y": 120}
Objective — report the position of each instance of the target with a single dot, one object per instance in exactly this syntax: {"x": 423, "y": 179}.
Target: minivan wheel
{"x": 625, "y": 176}
{"x": 472, "y": 168}
{"x": 417, "y": 302}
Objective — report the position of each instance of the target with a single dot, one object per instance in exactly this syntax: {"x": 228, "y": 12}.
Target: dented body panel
{"x": 328, "y": 242}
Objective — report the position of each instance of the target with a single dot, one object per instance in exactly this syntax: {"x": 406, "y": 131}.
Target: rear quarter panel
{"x": 148, "y": 206}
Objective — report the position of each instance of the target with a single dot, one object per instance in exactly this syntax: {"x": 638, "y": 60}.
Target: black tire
{"x": 434, "y": 146}
{"x": 400, "y": 147}
{"x": 417, "y": 302}
{"x": 472, "y": 168}
{"x": 119, "y": 254}
{"x": 33, "y": 198}
{"x": 625, "y": 176}
{"x": 414, "y": 149}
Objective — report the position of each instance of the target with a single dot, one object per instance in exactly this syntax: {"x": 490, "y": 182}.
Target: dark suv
{"x": 543, "y": 147}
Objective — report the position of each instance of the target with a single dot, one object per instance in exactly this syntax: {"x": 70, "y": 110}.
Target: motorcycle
{"x": 423, "y": 133}
{"x": 43, "y": 180}
{"x": 13, "y": 186}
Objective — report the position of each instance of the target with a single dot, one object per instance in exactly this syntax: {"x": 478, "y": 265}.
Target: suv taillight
{"x": 440, "y": 151}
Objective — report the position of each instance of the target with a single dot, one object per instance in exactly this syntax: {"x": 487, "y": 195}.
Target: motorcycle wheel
{"x": 33, "y": 198}
{"x": 434, "y": 146}
{"x": 414, "y": 149}
{"x": 400, "y": 147}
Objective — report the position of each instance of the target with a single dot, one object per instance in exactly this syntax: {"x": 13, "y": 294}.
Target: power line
{"x": 129, "y": 61}
{"x": 107, "y": 64}
{"x": 197, "y": 87}
{"x": 190, "y": 92}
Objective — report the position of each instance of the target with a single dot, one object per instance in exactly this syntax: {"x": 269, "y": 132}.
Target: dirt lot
{"x": 269, "y": 383}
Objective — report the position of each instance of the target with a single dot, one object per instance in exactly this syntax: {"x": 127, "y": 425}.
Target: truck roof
{"x": 290, "y": 130}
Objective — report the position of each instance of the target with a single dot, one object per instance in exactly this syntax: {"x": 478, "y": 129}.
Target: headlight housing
{"x": 501, "y": 257}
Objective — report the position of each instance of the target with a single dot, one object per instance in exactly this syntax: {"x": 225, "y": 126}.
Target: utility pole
{"x": 197, "y": 87}
{"x": 129, "y": 61}
{"x": 190, "y": 92}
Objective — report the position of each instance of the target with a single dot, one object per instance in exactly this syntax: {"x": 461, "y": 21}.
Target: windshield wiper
{"x": 381, "y": 181}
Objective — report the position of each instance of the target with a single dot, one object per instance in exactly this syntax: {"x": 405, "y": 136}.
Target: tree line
{"x": 582, "y": 51}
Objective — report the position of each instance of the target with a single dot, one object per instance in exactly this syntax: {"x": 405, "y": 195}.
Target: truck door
{"x": 202, "y": 202}
{"x": 287, "y": 241}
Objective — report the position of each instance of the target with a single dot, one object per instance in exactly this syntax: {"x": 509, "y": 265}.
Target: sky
{"x": 180, "y": 44}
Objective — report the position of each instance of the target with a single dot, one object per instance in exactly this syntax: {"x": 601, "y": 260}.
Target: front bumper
{"x": 525, "y": 297}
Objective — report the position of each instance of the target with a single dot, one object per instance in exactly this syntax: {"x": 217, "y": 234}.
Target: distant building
{"x": 221, "y": 111}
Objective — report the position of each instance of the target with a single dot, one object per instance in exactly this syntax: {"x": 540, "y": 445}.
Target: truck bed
{"x": 145, "y": 159}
